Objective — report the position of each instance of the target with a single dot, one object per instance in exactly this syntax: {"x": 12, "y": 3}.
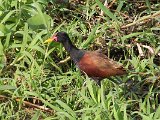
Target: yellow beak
{"x": 48, "y": 40}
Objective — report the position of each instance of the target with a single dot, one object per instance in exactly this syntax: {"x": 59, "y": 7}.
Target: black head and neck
{"x": 75, "y": 53}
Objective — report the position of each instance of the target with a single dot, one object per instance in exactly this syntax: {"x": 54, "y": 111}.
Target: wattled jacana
{"x": 95, "y": 64}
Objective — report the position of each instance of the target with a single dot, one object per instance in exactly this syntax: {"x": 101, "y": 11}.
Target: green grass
{"x": 30, "y": 70}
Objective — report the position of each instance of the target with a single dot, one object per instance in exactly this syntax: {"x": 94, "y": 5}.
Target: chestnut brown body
{"x": 96, "y": 64}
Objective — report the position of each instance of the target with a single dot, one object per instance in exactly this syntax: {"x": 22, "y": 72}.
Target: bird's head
{"x": 58, "y": 37}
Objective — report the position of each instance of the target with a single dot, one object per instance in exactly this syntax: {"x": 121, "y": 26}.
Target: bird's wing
{"x": 96, "y": 64}
{"x": 103, "y": 61}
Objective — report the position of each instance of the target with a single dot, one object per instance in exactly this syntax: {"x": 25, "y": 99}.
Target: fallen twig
{"x": 34, "y": 105}
{"x": 26, "y": 103}
{"x": 2, "y": 97}
{"x": 142, "y": 19}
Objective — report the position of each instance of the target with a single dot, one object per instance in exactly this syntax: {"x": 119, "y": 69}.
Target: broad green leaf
{"x": 157, "y": 113}
{"x": 8, "y": 16}
{"x": 90, "y": 38}
{"x": 7, "y": 87}
{"x": 90, "y": 88}
{"x": 67, "y": 108}
{"x": 106, "y": 10}
{"x": 87, "y": 99}
{"x": 148, "y": 5}
{"x": 36, "y": 116}
{"x": 125, "y": 112}
{"x": 131, "y": 35}
{"x": 3, "y": 30}
{"x": 120, "y": 5}
{"x": 38, "y": 48}
{"x": 52, "y": 106}
{"x": 8, "y": 38}
{"x": 25, "y": 37}
{"x": 37, "y": 20}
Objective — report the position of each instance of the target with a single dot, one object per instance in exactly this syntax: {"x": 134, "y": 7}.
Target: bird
{"x": 93, "y": 63}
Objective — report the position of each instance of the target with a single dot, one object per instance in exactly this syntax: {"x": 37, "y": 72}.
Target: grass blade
{"x": 106, "y": 10}
{"x": 7, "y": 87}
{"x": 67, "y": 108}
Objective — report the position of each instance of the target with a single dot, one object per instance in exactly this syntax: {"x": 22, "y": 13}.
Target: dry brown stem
{"x": 144, "y": 19}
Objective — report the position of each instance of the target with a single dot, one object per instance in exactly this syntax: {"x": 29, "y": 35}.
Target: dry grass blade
{"x": 64, "y": 61}
{"x": 142, "y": 20}
{"x": 149, "y": 48}
{"x": 140, "y": 50}
{"x": 26, "y": 103}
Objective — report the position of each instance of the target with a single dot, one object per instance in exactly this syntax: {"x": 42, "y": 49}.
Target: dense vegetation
{"x": 38, "y": 81}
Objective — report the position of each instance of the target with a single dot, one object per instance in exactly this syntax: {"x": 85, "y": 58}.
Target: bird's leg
{"x": 97, "y": 80}
{"x": 116, "y": 81}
